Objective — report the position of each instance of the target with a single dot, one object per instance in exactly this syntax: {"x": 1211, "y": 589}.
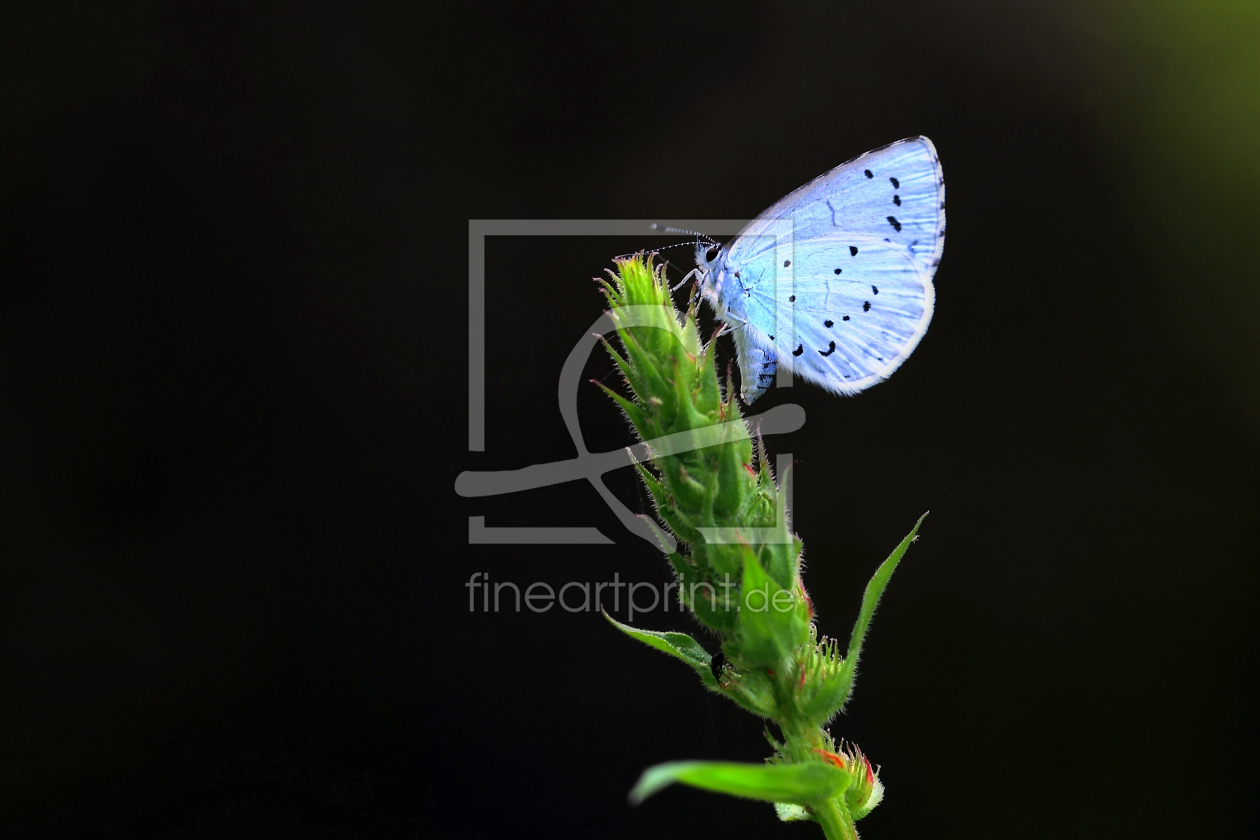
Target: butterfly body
{"x": 834, "y": 281}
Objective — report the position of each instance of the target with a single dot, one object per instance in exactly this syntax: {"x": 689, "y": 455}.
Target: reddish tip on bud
{"x": 809, "y": 604}
{"x": 833, "y": 758}
{"x": 866, "y": 791}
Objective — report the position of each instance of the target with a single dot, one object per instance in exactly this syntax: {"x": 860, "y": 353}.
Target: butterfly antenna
{"x": 697, "y": 234}
{"x": 638, "y": 252}
{"x": 653, "y": 250}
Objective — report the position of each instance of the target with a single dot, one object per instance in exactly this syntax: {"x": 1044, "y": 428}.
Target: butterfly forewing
{"x": 895, "y": 193}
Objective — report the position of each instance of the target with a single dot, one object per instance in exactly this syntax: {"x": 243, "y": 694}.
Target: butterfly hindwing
{"x": 842, "y": 320}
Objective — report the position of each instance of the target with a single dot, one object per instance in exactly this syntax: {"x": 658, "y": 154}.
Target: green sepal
{"x": 638, "y": 369}
{"x": 733, "y": 482}
{"x": 781, "y": 556}
{"x": 665, "y": 507}
{"x": 862, "y": 809}
{"x": 678, "y": 645}
{"x": 870, "y": 600}
{"x": 662, "y": 539}
{"x": 659, "y": 494}
{"x": 773, "y": 621}
{"x": 795, "y": 784}
{"x": 711, "y": 608}
{"x": 633, "y": 413}
{"x": 719, "y": 612}
{"x": 817, "y": 697}
{"x": 623, "y": 366}
{"x": 754, "y": 690}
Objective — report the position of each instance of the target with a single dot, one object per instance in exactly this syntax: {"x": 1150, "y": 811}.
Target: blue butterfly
{"x": 834, "y": 281}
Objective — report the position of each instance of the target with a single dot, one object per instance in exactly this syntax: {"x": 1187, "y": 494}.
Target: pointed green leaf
{"x": 870, "y": 600}
{"x": 678, "y": 645}
{"x": 627, "y": 370}
{"x": 615, "y": 298}
{"x": 633, "y": 413}
{"x": 681, "y": 646}
{"x": 796, "y": 784}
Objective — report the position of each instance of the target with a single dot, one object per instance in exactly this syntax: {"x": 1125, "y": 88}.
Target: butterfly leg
{"x": 686, "y": 277}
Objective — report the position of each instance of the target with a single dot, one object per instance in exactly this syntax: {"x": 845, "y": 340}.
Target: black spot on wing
{"x": 852, "y": 251}
{"x": 897, "y": 200}
{"x": 829, "y": 350}
{"x": 786, "y": 263}
{"x": 828, "y": 323}
{"x": 792, "y": 299}
{"x": 874, "y": 290}
{"x": 845, "y": 318}
{"x": 867, "y": 173}
{"x": 892, "y": 220}
{"x": 866, "y": 307}
{"x": 839, "y": 270}
{"x": 800, "y": 348}
{"x": 896, "y": 184}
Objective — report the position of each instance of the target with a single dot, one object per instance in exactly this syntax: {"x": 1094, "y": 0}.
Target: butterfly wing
{"x": 896, "y": 193}
{"x": 851, "y": 328}
{"x": 855, "y": 289}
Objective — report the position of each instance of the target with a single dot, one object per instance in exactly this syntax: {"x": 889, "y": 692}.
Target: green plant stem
{"x": 714, "y": 491}
{"x": 835, "y": 821}
{"x": 800, "y": 739}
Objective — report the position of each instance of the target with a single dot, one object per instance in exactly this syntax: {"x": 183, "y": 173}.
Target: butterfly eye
{"x": 712, "y": 253}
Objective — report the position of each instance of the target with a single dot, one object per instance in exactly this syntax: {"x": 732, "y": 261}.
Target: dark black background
{"x": 233, "y": 390}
